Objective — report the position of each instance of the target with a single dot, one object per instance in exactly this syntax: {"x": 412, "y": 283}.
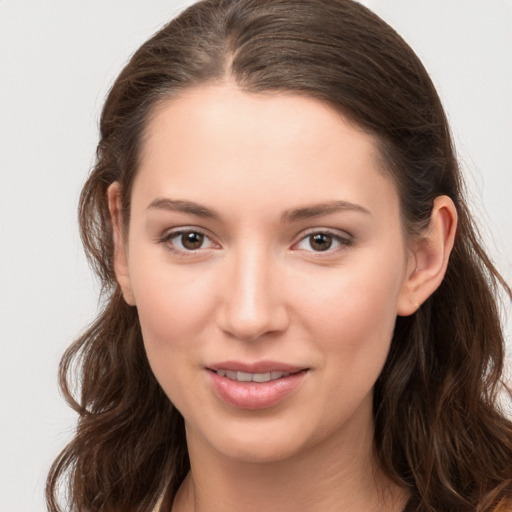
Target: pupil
{"x": 320, "y": 242}
{"x": 192, "y": 240}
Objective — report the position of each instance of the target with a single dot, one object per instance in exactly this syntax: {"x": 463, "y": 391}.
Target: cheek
{"x": 352, "y": 326}
{"x": 174, "y": 308}
{"x": 352, "y": 315}
{"x": 174, "y": 304}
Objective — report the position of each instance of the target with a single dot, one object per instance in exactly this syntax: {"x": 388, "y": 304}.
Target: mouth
{"x": 255, "y": 386}
{"x": 252, "y": 377}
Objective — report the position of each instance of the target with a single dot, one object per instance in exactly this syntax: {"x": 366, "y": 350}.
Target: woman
{"x": 298, "y": 314}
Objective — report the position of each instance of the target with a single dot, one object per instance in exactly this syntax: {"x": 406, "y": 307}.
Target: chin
{"x": 261, "y": 452}
{"x": 257, "y": 442}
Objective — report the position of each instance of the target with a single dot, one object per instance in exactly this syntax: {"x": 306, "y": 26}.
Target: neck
{"x": 340, "y": 474}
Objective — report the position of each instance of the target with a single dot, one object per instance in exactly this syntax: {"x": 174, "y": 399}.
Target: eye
{"x": 188, "y": 240}
{"x": 322, "y": 241}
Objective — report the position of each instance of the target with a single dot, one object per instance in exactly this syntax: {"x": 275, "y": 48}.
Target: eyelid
{"x": 343, "y": 238}
{"x": 166, "y": 240}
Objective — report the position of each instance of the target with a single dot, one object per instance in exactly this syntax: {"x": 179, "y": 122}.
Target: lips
{"x": 254, "y": 386}
{"x": 252, "y": 377}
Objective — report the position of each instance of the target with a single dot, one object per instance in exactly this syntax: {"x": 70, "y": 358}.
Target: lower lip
{"x": 255, "y": 395}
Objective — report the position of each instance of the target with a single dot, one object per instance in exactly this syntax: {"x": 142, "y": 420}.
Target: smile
{"x": 251, "y": 377}
{"x": 255, "y": 386}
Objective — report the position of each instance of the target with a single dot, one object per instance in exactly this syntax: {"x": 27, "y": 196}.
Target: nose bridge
{"x": 252, "y": 304}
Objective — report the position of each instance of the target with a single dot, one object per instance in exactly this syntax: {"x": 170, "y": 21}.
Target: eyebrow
{"x": 295, "y": 214}
{"x": 321, "y": 209}
{"x": 183, "y": 206}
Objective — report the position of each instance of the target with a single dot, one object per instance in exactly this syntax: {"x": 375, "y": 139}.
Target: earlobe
{"x": 429, "y": 257}
{"x": 120, "y": 250}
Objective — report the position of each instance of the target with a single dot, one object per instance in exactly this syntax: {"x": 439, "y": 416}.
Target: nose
{"x": 253, "y": 303}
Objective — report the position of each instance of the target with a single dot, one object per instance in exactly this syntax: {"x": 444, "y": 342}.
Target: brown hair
{"x": 439, "y": 431}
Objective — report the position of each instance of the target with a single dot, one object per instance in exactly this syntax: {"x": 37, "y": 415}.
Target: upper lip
{"x": 256, "y": 367}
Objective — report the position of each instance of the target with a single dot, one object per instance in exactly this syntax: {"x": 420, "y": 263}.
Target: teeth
{"x": 251, "y": 377}
{"x": 243, "y": 377}
{"x": 260, "y": 377}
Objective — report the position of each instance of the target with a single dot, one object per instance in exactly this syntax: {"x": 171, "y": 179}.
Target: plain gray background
{"x": 57, "y": 61}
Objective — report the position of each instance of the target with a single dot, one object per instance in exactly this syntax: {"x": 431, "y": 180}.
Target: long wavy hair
{"x": 439, "y": 432}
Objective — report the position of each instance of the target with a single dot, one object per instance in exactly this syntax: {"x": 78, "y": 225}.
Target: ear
{"x": 120, "y": 244}
{"x": 429, "y": 257}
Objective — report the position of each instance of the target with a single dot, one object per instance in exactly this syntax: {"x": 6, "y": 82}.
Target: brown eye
{"x": 324, "y": 241}
{"x": 191, "y": 240}
{"x": 320, "y": 241}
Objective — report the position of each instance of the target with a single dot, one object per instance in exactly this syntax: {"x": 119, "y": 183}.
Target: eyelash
{"x": 167, "y": 241}
{"x": 342, "y": 241}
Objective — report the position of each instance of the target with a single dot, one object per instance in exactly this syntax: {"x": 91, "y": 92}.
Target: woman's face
{"x": 267, "y": 261}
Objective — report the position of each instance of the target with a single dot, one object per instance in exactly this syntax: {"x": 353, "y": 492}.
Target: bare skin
{"x": 265, "y": 237}
{"x": 318, "y": 480}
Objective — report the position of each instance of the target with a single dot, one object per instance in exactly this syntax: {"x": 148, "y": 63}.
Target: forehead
{"x": 226, "y": 143}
